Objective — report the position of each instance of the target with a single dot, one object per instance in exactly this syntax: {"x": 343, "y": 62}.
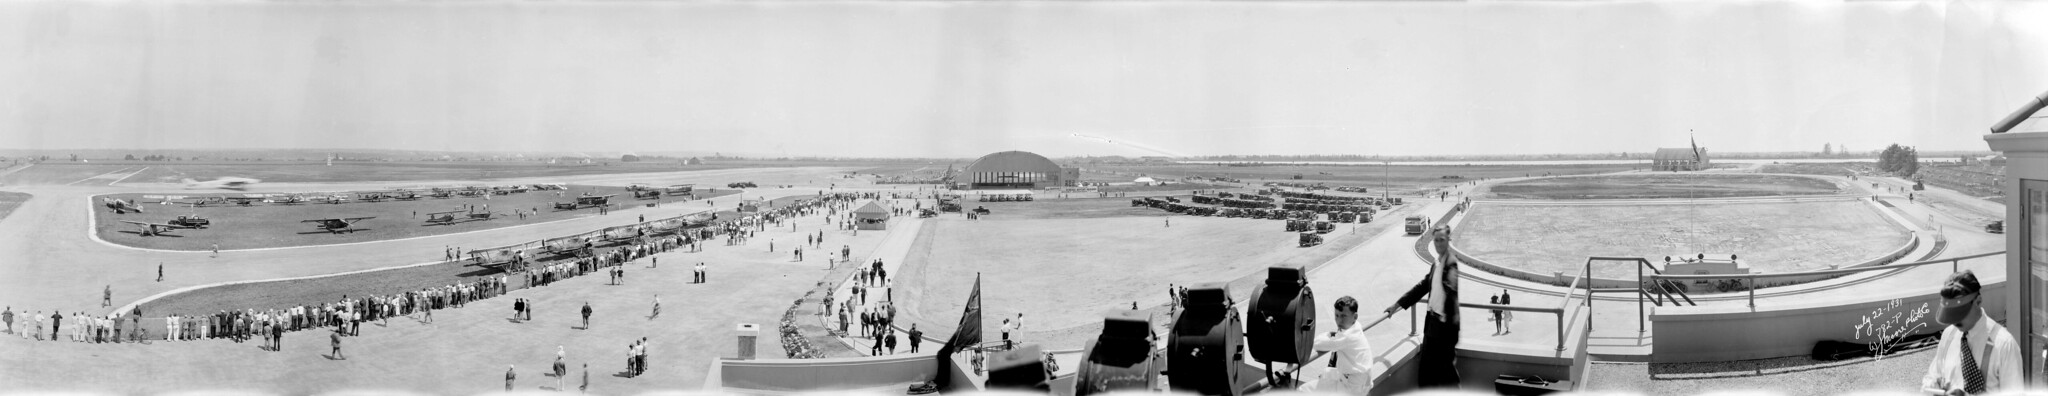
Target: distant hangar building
{"x": 1015, "y": 169}
{"x": 1681, "y": 159}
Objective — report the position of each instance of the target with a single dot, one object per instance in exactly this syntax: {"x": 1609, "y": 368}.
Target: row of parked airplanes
{"x": 332, "y": 225}
{"x": 373, "y": 196}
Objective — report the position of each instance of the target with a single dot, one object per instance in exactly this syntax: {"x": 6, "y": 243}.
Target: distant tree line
{"x": 1900, "y": 160}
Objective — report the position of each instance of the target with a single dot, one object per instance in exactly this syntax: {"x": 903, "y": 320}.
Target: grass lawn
{"x": 1662, "y": 185}
{"x": 271, "y": 225}
{"x": 10, "y": 200}
{"x": 1403, "y": 179}
{"x": 1771, "y": 237}
{"x": 1071, "y": 208}
{"x": 1165, "y": 187}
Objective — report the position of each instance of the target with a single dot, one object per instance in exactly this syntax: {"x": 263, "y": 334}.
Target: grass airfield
{"x": 1770, "y": 237}
{"x": 269, "y": 225}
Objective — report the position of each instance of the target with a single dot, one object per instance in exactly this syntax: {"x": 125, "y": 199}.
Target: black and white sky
{"x": 960, "y": 79}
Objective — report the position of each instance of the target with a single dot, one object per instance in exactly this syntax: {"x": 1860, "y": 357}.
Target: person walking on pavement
{"x": 334, "y": 340}
{"x": 586, "y": 316}
{"x": 510, "y": 374}
{"x": 915, "y": 337}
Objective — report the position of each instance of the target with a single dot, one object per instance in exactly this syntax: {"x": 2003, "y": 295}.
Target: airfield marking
{"x": 130, "y": 174}
{"x": 11, "y": 171}
{"x": 96, "y": 177}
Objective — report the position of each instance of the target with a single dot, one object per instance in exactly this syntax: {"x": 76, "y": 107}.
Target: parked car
{"x": 1417, "y": 225}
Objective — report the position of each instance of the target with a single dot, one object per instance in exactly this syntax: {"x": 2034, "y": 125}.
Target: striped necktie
{"x": 1973, "y": 376}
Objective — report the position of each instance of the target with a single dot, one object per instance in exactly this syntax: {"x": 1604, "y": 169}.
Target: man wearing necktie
{"x": 1437, "y": 358}
{"x": 1976, "y": 356}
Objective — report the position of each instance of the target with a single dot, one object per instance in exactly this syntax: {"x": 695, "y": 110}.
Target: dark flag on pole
{"x": 966, "y": 336}
{"x": 1695, "y": 151}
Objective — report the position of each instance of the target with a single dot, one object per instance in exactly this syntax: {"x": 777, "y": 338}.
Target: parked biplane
{"x": 447, "y": 217}
{"x": 647, "y": 194}
{"x": 404, "y": 195}
{"x": 682, "y": 189}
{"x": 288, "y": 200}
{"x": 371, "y": 196}
{"x": 596, "y": 200}
{"x": 338, "y": 225}
{"x": 244, "y": 201}
{"x": 121, "y": 206}
{"x": 152, "y": 229}
{"x": 439, "y": 193}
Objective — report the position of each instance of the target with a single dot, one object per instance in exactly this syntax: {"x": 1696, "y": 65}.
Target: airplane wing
{"x": 356, "y": 219}
{"x": 317, "y": 221}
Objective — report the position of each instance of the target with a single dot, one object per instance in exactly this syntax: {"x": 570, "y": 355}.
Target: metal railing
{"x": 1955, "y": 264}
{"x": 1665, "y": 290}
{"x": 1559, "y": 313}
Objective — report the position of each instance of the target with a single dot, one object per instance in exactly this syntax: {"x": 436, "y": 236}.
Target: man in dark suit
{"x": 914, "y": 336}
{"x": 1437, "y": 358}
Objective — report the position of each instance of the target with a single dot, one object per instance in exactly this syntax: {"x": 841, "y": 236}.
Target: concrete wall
{"x": 1480, "y": 362}
{"x": 1733, "y": 331}
{"x": 857, "y": 373}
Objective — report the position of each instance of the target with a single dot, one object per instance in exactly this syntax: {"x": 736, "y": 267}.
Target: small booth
{"x": 871, "y": 217}
{"x": 1701, "y": 264}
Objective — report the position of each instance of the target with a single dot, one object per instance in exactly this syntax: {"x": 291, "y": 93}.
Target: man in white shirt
{"x": 1350, "y": 354}
{"x": 1976, "y": 355}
